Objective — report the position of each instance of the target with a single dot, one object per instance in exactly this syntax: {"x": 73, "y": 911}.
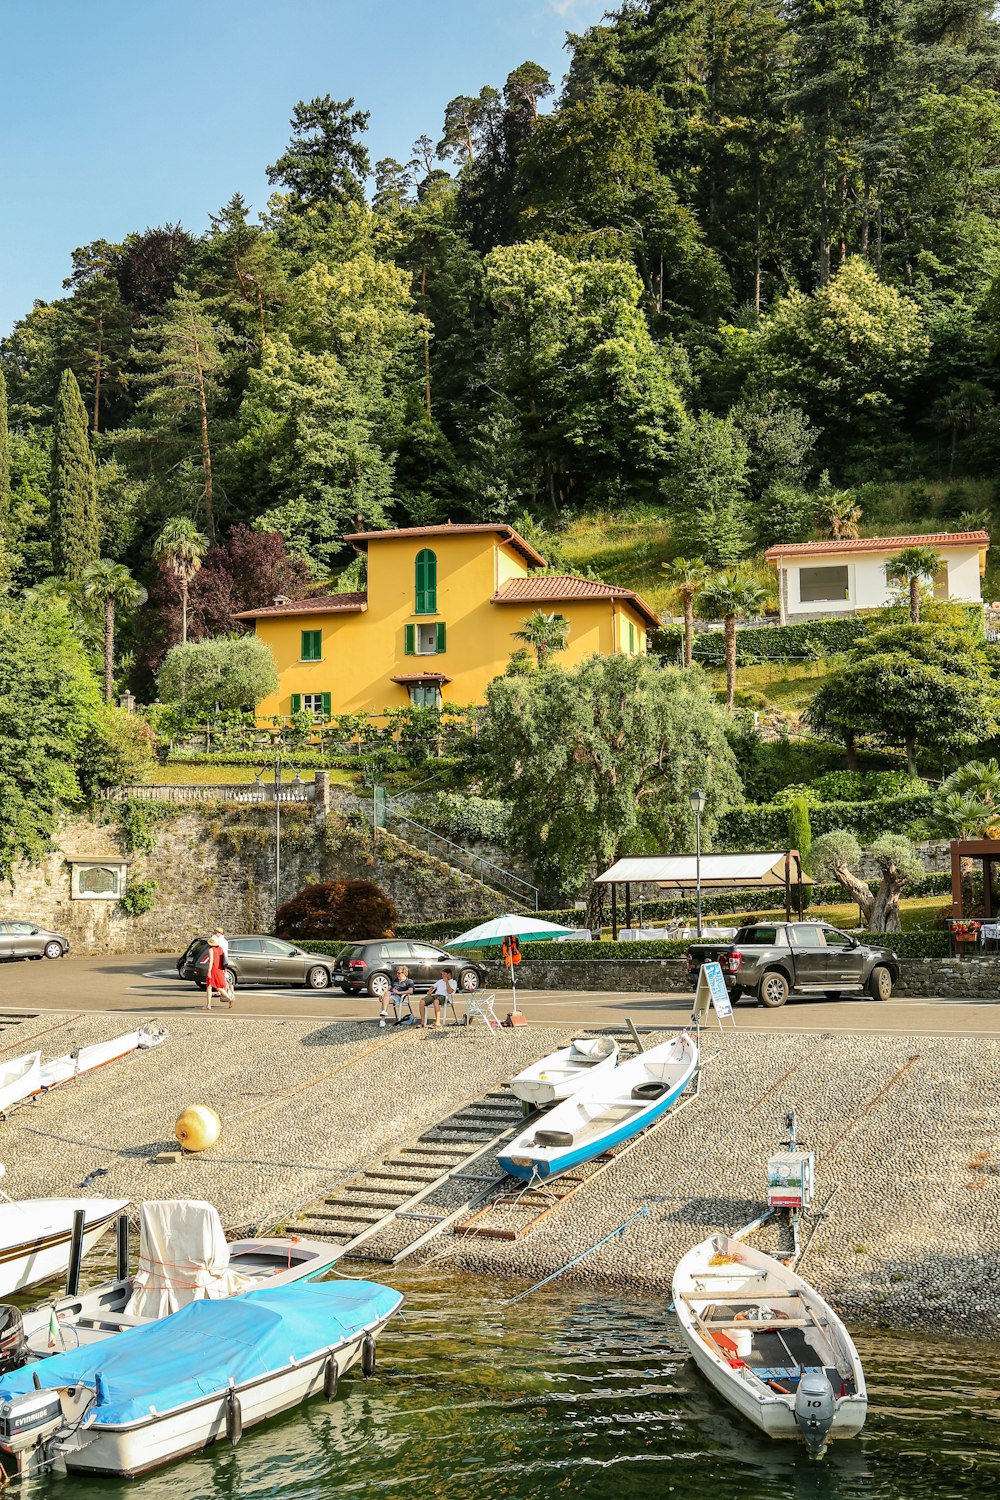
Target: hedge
{"x": 814, "y": 638}
{"x": 765, "y": 825}
{"x": 916, "y": 944}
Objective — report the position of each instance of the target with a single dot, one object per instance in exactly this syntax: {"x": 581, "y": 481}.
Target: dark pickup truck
{"x": 771, "y": 960}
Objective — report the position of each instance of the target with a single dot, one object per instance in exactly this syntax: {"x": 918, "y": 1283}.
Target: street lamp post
{"x": 697, "y": 799}
{"x": 277, "y": 832}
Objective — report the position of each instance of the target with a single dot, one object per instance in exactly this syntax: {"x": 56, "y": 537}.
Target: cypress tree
{"x": 75, "y": 533}
{"x": 4, "y": 465}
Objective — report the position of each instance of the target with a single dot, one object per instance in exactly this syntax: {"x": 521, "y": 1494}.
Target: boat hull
{"x": 43, "y": 1252}
{"x": 535, "y": 1088}
{"x": 126, "y": 1452}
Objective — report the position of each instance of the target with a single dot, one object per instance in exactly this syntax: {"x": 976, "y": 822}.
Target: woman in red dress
{"x": 216, "y": 980}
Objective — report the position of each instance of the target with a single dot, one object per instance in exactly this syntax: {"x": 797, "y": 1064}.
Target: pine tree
{"x": 75, "y": 532}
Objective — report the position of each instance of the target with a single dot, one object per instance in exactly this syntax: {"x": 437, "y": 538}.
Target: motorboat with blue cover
{"x": 604, "y": 1112}
{"x": 156, "y": 1392}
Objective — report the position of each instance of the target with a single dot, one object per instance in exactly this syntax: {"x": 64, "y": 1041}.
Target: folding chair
{"x": 398, "y": 1003}
{"x": 482, "y": 1006}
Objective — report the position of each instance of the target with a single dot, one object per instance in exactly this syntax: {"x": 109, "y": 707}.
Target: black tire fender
{"x": 330, "y": 1378}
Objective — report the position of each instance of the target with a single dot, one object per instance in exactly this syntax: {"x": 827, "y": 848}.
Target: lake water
{"x": 584, "y": 1393}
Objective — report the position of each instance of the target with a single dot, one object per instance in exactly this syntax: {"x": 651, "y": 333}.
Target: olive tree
{"x": 837, "y": 855}
{"x": 217, "y": 675}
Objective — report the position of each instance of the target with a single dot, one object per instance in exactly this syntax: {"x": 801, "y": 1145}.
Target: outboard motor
{"x": 13, "y": 1344}
{"x": 815, "y": 1407}
{"x": 27, "y": 1424}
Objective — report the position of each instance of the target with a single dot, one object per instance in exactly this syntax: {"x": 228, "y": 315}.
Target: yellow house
{"x": 436, "y": 623}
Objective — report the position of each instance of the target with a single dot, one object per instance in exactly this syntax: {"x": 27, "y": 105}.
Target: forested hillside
{"x": 739, "y": 268}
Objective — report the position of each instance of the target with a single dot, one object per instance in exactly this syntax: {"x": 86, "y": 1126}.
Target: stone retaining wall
{"x": 216, "y": 864}
{"x": 957, "y": 978}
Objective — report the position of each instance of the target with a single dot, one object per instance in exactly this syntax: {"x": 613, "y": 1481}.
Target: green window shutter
{"x": 631, "y": 638}
{"x": 327, "y": 706}
{"x": 312, "y": 645}
{"x": 426, "y": 582}
{"x": 296, "y": 703}
{"x": 440, "y": 642}
{"x": 410, "y": 640}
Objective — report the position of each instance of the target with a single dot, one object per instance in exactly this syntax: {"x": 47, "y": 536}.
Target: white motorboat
{"x": 36, "y": 1236}
{"x": 177, "y": 1385}
{"x": 769, "y": 1343}
{"x": 183, "y": 1258}
{"x": 604, "y": 1111}
{"x": 561, "y": 1073}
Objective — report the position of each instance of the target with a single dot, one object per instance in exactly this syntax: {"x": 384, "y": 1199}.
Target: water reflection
{"x": 579, "y": 1393}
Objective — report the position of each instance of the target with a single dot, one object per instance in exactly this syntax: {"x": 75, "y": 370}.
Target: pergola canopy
{"x": 678, "y": 871}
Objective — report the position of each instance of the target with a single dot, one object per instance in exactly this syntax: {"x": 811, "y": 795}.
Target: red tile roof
{"x": 318, "y": 604}
{"x": 880, "y": 544}
{"x": 557, "y": 588}
{"x": 506, "y": 533}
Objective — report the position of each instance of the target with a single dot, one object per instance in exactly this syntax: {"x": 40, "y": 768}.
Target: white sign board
{"x": 717, "y": 987}
{"x": 711, "y": 991}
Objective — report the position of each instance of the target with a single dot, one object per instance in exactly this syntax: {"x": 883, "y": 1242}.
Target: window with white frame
{"x": 823, "y": 585}
{"x": 312, "y": 703}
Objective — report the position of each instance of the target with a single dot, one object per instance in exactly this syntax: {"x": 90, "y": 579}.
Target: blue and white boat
{"x": 611, "y": 1109}
{"x": 171, "y": 1387}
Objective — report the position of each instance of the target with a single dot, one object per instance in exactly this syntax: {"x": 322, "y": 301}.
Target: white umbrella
{"x": 492, "y": 934}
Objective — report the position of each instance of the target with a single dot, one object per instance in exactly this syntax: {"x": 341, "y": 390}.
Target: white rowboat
{"x": 604, "y": 1111}
{"x": 35, "y": 1236}
{"x": 19, "y": 1078}
{"x": 769, "y": 1344}
{"x": 561, "y": 1073}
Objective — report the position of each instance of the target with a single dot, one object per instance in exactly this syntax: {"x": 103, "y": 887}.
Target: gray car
{"x": 26, "y": 940}
{"x": 259, "y": 960}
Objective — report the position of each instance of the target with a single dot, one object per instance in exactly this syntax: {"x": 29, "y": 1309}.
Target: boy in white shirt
{"x": 443, "y": 989}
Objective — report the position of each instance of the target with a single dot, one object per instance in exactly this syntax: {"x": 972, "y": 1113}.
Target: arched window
{"x": 426, "y": 583}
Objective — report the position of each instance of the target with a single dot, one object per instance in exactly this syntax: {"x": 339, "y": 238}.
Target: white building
{"x": 817, "y": 579}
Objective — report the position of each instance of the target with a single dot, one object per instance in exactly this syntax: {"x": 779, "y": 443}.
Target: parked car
{"x": 25, "y": 940}
{"x": 371, "y": 966}
{"x": 259, "y": 960}
{"x": 770, "y": 960}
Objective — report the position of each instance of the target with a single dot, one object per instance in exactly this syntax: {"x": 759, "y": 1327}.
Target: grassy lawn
{"x": 624, "y": 549}
{"x": 179, "y": 774}
{"x": 789, "y": 686}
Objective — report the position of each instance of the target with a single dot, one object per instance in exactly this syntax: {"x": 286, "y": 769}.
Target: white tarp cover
{"x": 681, "y": 870}
{"x": 183, "y": 1258}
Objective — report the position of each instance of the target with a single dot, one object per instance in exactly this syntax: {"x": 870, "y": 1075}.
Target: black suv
{"x": 259, "y": 960}
{"x": 372, "y": 966}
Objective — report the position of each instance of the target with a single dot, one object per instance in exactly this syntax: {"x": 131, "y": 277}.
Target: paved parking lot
{"x": 148, "y": 986}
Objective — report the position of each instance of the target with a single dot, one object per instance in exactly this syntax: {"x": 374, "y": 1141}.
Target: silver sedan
{"x": 26, "y": 940}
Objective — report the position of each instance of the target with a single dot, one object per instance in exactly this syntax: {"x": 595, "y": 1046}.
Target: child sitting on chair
{"x": 444, "y": 989}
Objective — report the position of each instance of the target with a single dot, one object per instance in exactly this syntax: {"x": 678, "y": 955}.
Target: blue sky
{"x": 136, "y": 112}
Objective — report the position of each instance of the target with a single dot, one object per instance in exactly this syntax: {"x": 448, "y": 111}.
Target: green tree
{"x": 49, "y": 702}
{"x": 910, "y": 684}
{"x": 911, "y": 566}
{"x": 546, "y": 634}
{"x": 75, "y": 530}
{"x": 599, "y": 762}
{"x": 687, "y": 576}
{"x": 111, "y": 587}
{"x": 183, "y": 364}
{"x": 838, "y": 855}
{"x": 466, "y": 119}
{"x": 958, "y": 411}
{"x": 728, "y": 597}
{"x": 838, "y": 512}
{"x": 118, "y": 750}
{"x": 708, "y": 486}
{"x": 223, "y": 674}
{"x": 325, "y": 165}
{"x": 182, "y": 547}
{"x": 4, "y": 465}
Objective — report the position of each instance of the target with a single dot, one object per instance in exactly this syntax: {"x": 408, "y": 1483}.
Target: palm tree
{"x": 545, "y": 634}
{"x": 181, "y": 546}
{"x": 957, "y": 411}
{"x": 839, "y": 515}
{"x": 111, "y": 587}
{"x": 687, "y": 576}
{"x": 910, "y": 566}
{"x": 728, "y": 597}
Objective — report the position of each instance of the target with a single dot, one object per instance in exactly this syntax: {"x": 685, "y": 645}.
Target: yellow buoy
{"x": 198, "y": 1127}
